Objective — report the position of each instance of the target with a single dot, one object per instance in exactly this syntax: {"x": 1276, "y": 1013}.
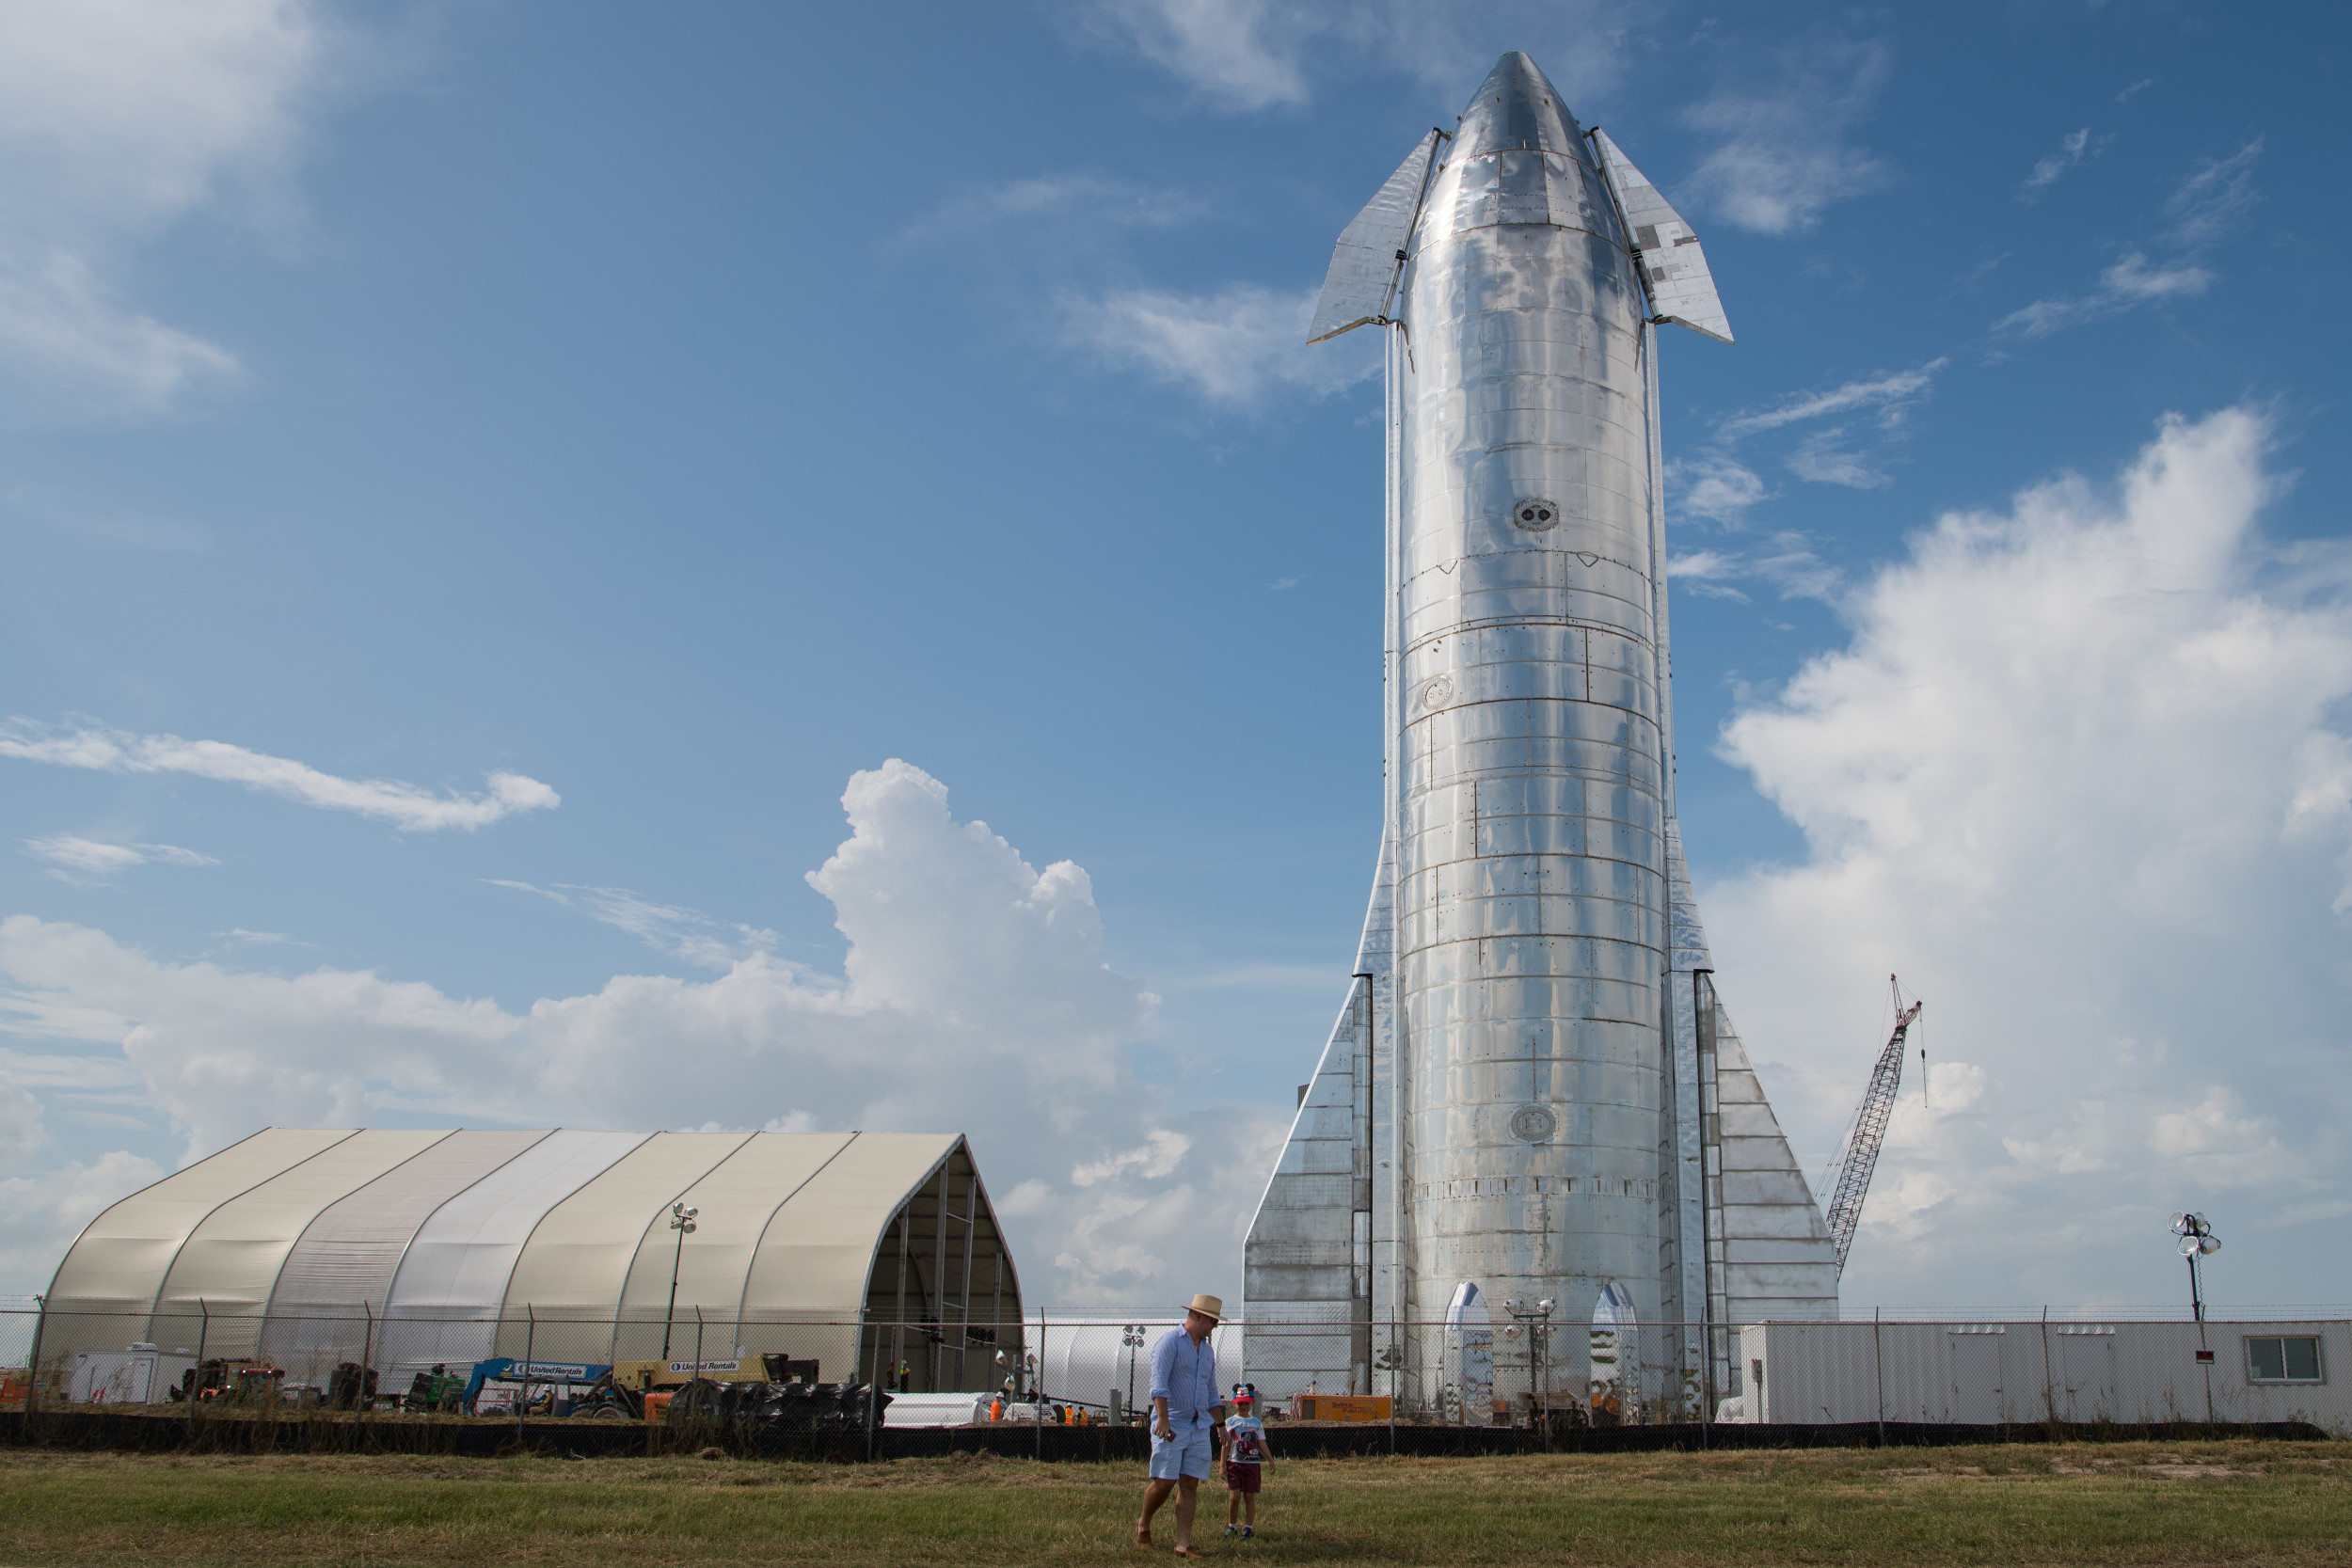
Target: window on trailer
{"x": 2285, "y": 1358}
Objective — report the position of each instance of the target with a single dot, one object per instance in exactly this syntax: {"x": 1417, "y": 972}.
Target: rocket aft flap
{"x": 1531, "y": 1090}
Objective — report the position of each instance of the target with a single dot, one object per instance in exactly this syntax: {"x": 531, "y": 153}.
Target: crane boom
{"x": 1869, "y": 1131}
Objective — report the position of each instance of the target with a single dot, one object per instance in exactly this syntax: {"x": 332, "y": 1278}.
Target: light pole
{"x": 2197, "y": 1240}
{"x": 682, "y": 1220}
{"x": 1131, "y": 1337}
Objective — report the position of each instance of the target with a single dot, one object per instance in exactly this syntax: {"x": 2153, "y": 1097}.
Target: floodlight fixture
{"x": 2197, "y": 1240}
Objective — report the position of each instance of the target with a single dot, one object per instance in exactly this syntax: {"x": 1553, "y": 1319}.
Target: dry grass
{"x": 2236, "y": 1502}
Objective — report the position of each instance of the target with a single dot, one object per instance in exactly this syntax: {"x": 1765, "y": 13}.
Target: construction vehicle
{"x": 1870, "y": 1128}
{"x": 642, "y": 1390}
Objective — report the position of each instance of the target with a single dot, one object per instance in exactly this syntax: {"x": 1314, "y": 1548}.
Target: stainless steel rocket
{"x": 1532, "y": 1094}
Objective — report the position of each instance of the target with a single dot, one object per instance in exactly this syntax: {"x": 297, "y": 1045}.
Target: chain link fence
{"x": 2118, "y": 1365}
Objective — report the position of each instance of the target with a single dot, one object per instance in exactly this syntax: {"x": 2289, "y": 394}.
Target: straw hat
{"x": 1208, "y": 1307}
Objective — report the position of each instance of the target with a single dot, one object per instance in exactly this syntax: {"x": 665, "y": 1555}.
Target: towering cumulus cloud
{"x": 2077, "y": 777}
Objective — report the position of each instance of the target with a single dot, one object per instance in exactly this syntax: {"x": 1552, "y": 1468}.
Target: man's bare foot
{"x": 1143, "y": 1535}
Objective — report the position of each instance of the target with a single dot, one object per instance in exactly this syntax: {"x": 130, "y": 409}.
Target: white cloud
{"x": 41, "y": 1213}
{"x": 1251, "y": 55}
{"x": 1715, "y": 487}
{"x": 667, "y": 928}
{"x": 89, "y": 859}
{"x": 1787, "y": 562}
{"x": 1781, "y": 154}
{"x": 2053, "y": 167}
{"x": 1234, "y": 347}
{"x": 974, "y": 998}
{"x": 1159, "y": 1154}
{"x": 1825, "y": 458}
{"x": 1703, "y": 564}
{"x": 264, "y": 939}
{"x": 1245, "y": 54}
{"x": 21, "y": 1132}
{"x": 1705, "y": 573}
{"x": 406, "y": 805}
{"x": 2211, "y": 201}
{"x": 118, "y": 119}
{"x": 100, "y": 1074}
{"x": 1790, "y": 565}
{"x": 77, "y": 353}
{"x": 2074, "y": 778}
{"x": 1887, "y": 392}
{"x": 1851, "y": 452}
{"x": 2130, "y": 282}
{"x": 2213, "y": 198}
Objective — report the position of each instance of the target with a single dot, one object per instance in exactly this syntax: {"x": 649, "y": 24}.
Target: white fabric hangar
{"x": 403, "y": 1248}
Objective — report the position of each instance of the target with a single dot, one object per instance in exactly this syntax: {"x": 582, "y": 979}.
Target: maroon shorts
{"x": 1241, "y": 1478}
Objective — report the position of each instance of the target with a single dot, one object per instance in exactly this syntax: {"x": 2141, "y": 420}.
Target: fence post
{"x": 2049, "y": 1378}
{"x": 361, "y": 1397}
{"x": 1877, "y": 1361}
{"x": 698, "y": 1341}
{"x": 530, "y": 1342}
{"x": 873, "y": 1388}
{"x": 196, "y": 1382}
{"x": 1706, "y": 1415}
{"x": 32, "y": 1373}
{"x": 1396, "y": 1384}
{"x": 1037, "y": 1385}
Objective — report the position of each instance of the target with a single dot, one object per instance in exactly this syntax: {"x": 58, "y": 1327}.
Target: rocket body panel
{"x": 1543, "y": 1098}
{"x": 1530, "y": 869}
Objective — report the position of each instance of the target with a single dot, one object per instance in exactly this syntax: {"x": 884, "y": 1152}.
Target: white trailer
{"x": 1987, "y": 1373}
{"x": 140, "y": 1375}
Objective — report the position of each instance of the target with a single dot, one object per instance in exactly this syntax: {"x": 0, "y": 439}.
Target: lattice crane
{"x": 1869, "y": 1129}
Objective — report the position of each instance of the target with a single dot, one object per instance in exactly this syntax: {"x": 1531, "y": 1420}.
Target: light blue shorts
{"x": 1186, "y": 1454}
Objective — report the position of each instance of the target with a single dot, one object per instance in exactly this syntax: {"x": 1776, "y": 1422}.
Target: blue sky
{"x": 480, "y": 481}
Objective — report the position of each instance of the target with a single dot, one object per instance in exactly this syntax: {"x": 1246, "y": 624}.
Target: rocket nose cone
{"x": 1516, "y": 106}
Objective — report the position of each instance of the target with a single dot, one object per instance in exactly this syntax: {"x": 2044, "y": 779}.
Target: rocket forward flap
{"x": 1362, "y": 279}
{"x": 1674, "y": 264}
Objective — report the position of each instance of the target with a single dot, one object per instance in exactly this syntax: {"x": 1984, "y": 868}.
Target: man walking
{"x": 1184, "y": 1408}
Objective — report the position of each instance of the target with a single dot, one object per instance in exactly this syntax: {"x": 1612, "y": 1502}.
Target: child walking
{"x": 1246, "y": 1457}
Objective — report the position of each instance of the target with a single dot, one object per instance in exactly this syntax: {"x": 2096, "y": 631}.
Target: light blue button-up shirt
{"x": 1185, "y": 1374}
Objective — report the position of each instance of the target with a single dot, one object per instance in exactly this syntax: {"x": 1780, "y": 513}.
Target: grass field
{"x": 2236, "y": 1502}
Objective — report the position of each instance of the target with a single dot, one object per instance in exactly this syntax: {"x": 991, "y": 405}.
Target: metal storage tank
{"x": 409, "y": 1248}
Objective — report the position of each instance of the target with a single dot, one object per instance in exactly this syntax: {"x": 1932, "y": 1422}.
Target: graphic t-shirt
{"x": 1244, "y": 1440}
